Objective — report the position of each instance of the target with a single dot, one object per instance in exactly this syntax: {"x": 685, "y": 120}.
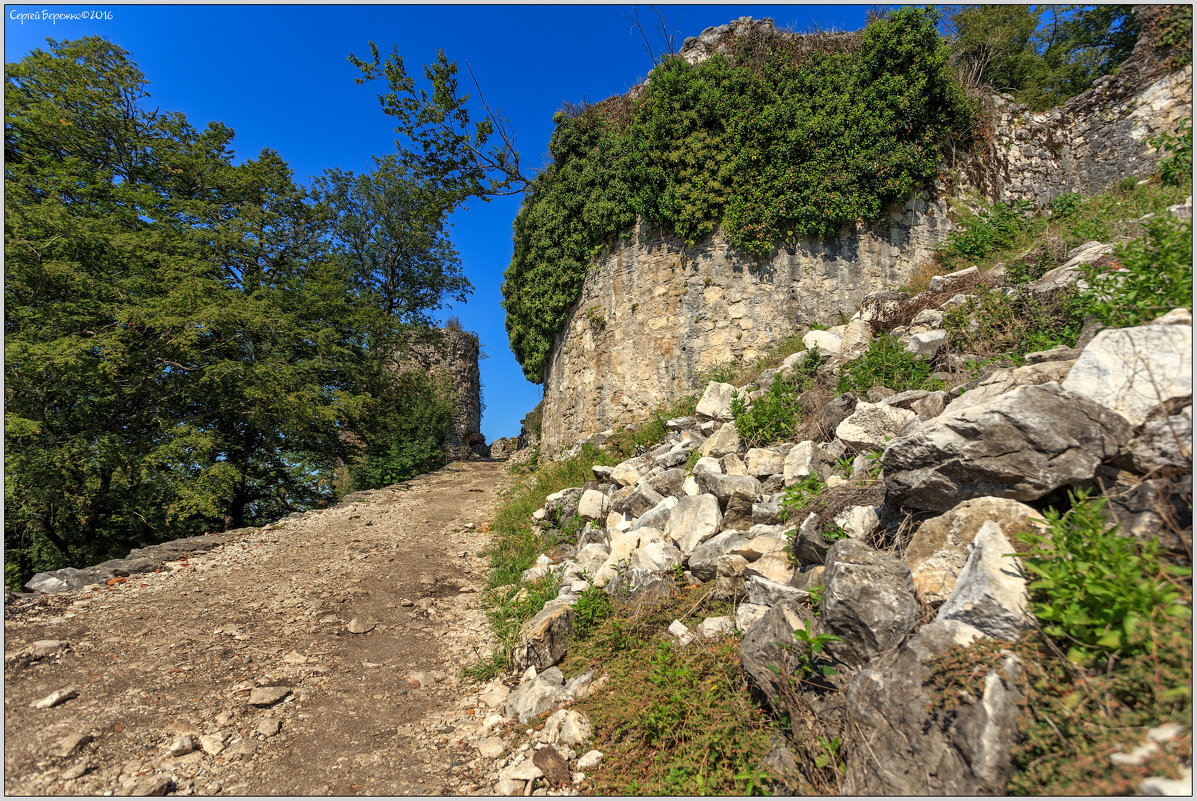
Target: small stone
{"x": 244, "y": 747}
{"x": 590, "y": 760}
{"x": 1161, "y": 785}
{"x": 70, "y": 744}
{"x": 360, "y": 625}
{"x": 147, "y": 786}
{"x": 509, "y": 787}
{"x": 55, "y": 698}
{"x": 44, "y": 648}
{"x": 74, "y": 771}
{"x": 1136, "y": 757}
{"x": 212, "y": 744}
{"x": 295, "y": 658}
{"x": 268, "y": 696}
{"x": 491, "y": 747}
{"x": 1162, "y": 734}
{"x": 268, "y": 727}
{"x": 182, "y": 745}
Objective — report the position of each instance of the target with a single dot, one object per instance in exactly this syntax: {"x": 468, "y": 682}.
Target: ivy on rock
{"x": 781, "y": 139}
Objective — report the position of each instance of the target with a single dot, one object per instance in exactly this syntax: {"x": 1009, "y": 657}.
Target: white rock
{"x": 678, "y": 629}
{"x": 714, "y": 627}
{"x": 590, "y": 760}
{"x": 749, "y": 613}
{"x": 855, "y": 339}
{"x": 1134, "y": 370}
{"x": 938, "y": 283}
{"x": 212, "y": 744}
{"x": 927, "y": 343}
{"x": 715, "y": 403}
{"x": 870, "y": 424}
{"x": 509, "y": 787}
{"x": 763, "y": 592}
{"x": 858, "y": 521}
{"x": 593, "y": 505}
{"x": 491, "y": 747}
{"x": 695, "y": 520}
{"x": 708, "y": 464}
{"x": 724, "y": 441}
{"x": 804, "y": 459}
{"x": 825, "y": 342}
{"x": 760, "y": 462}
{"x": 55, "y": 698}
{"x": 567, "y": 727}
{"x": 991, "y": 593}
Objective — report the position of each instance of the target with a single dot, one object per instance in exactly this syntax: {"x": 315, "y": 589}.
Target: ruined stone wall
{"x": 1086, "y": 145}
{"x": 456, "y": 352}
{"x": 653, "y": 314}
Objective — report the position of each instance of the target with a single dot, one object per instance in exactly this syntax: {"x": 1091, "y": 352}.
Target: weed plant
{"x": 887, "y": 363}
{"x": 992, "y": 324}
{"x": 1157, "y": 276}
{"x": 771, "y": 417}
{"x": 673, "y": 722}
{"x": 1097, "y": 591}
{"x": 797, "y": 497}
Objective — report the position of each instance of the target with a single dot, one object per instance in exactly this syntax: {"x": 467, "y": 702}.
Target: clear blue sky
{"x": 279, "y": 76}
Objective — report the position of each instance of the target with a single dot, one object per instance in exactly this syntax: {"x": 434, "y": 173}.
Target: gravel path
{"x": 178, "y": 661}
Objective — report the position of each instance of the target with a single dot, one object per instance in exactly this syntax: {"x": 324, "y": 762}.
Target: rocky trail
{"x": 319, "y": 655}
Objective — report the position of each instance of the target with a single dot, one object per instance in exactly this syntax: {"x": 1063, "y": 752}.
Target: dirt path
{"x": 171, "y": 657}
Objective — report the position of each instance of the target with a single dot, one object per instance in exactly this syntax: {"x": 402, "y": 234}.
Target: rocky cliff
{"x": 653, "y": 314}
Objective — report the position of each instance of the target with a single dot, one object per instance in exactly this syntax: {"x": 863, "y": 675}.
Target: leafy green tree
{"x": 187, "y": 339}
{"x": 1043, "y": 54}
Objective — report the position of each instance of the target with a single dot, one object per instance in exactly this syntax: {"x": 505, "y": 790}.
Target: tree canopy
{"x": 187, "y": 339}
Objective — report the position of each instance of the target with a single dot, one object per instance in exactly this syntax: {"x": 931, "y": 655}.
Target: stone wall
{"x": 456, "y": 352}
{"x": 654, "y": 314}
{"x": 1091, "y": 142}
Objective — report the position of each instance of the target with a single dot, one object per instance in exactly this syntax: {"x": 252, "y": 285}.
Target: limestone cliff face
{"x": 653, "y": 313}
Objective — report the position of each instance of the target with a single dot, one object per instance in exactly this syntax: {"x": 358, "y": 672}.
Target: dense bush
{"x": 1157, "y": 276}
{"x": 818, "y": 139}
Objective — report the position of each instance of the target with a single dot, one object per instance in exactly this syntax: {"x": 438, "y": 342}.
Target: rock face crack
{"x": 236, "y": 670}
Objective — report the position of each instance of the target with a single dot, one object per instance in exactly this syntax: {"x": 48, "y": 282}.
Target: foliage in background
{"x": 821, "y": 138}
{"x": 989, "y": 229}
{"x": 1042, "y": 54}
{"x": 407, "y": 429}
{"x": 887, "y": 363}
{"x": 992, "y": 323}
{"x": 772, "y": 416}
{"x": 1176, "y": 149}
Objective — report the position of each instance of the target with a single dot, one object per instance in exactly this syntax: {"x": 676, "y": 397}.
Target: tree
{"x": 187, "y": 339}
{"x": 1043, "y": 54}
{"x": 436, "y": 143}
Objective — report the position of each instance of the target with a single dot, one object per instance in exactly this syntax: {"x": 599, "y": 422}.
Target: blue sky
{"x": 279, "y": 76}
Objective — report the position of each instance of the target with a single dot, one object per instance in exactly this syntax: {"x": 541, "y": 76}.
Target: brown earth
{"x": 174, "y": 654}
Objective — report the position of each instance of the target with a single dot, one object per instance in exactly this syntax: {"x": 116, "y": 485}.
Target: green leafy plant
{"x": 771, "y": 417}
{"x": 992, "y": 323}
{"x": 592, "y": 608}
{"x": 816, "y": 598}
{"x": 833, "y": 533}
{"x": 1096, "y": 590}
{"x": 798, "y": 496}
{"x": 1157, "y": 276}
{"x": 980, "y": 233}
{"x": 808, "y": 657}
{"x": 887, "y": 363}
{"x": 1176, "y": 166}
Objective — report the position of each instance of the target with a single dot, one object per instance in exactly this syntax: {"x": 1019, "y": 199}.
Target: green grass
{"x": 673, "y": 722}
{"x": 514, "y": 549}
{"x": 991, "y": 236}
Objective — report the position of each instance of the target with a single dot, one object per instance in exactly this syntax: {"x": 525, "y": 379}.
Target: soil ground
{"x": 166, "y": 656}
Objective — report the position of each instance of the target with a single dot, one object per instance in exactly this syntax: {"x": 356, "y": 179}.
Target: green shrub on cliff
{"x": 820, "y": 134}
